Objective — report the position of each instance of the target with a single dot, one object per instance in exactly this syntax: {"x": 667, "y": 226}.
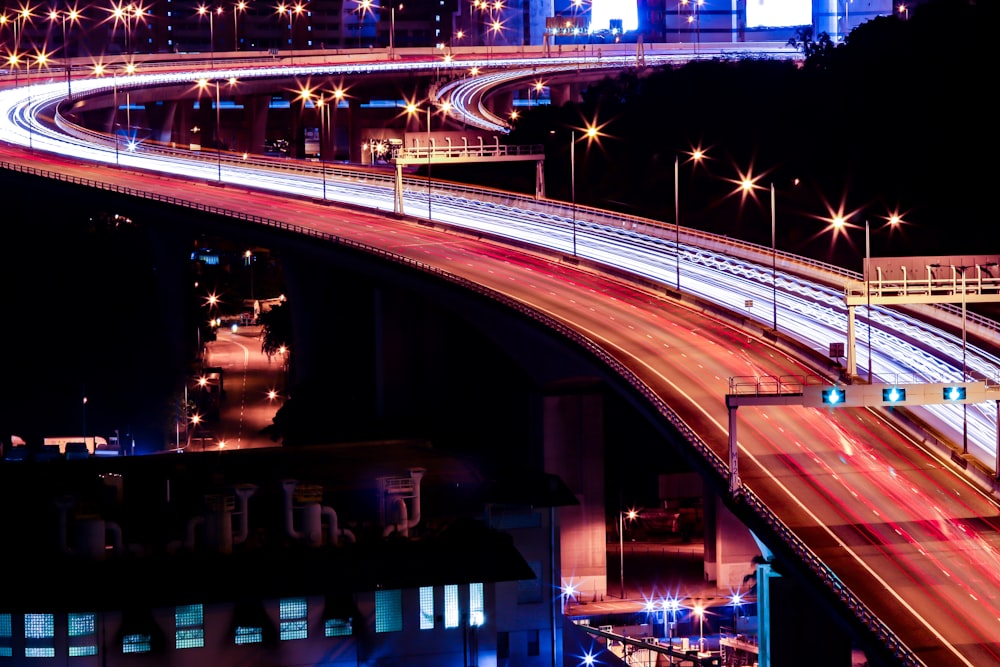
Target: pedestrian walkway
{"x": 253, "y": 388}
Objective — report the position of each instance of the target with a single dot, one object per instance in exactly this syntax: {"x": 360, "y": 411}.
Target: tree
{"x": 276, "y": 329}
{"x": 818, "y": 52}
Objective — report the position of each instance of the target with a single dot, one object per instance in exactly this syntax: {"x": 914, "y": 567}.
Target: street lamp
{"x": 321, "y": 105}
{"x": 699, "y": 610}
{"x": 696, "y": 156}
{"x": 72, "y": 15}
{"x": 338, "y": 96}
{"x": 631, "y": 515}
{"x": 203, "y": 85}
{"x": 671, "y": 605}
{"x": 736, "y": 600}
{"x": 297, "y": 9}
{"x": 238, "y": 8}
{"x": 202, "y": 11}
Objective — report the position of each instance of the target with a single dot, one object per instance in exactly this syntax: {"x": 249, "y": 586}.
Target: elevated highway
{"x": 846, "y": 493}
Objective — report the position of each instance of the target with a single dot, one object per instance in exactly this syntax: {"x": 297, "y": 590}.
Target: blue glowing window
{"x": 39, "y": 636}
{"x": 6, "y": 636}
{"x": 451, "y": 606}
{"x": 427, "y": 608}
{"x": 82, "y": 635}
{"x": 388, "y": 611}
{"x": 137, "y": 643}
{"x": 294, "y": 618}
{"x": 249, "y": 635}
{"x": 338, "y": 627}
{"x": 477, "y": 608}
{"x": 190, "y": 626}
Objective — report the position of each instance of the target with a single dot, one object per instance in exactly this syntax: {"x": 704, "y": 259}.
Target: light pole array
{"x": 291, "y": 10}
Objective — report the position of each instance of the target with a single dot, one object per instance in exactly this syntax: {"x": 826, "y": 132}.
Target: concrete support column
{"x": 573, "y": 442}
{"x": 257, "y": 110}
{"x": 735, "y": 549}
{"x": 354, "y": 133}
{"x": 161, "y": 120}
{"x": 184, "y": 123}
{"x": 560, "y": 94}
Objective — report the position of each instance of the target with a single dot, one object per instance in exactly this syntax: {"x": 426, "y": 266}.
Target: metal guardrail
{"x": 878, "y": 629}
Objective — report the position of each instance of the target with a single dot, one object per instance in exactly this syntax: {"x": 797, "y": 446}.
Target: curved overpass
{"x": 851, "y": 489}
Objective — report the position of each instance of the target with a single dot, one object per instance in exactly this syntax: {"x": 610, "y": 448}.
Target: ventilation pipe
{"x": 311, "y": 514}
{"x": 90, "y": 533}
{"x": 217, "y": 522}
{"x": 243, "y": 493}
{"x": 395, "y": 491}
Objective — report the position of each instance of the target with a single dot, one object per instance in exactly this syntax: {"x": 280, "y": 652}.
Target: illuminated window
{"x": 246, "y": 634}
{"x": 426, "y": 608}
{"x": 451, "y": 606}
{"x": 136, "y": 643}
{"x": 294, "y": 618}
{"x": 39, "y": 636}
{"x": 388, "y": 611}
{"x": 6, "y": 636}
{"x": 189, "y": 621}
{"x": 82, "y": 634}
{"x": 477, "y": 608}
{"x": 338, "y": 627}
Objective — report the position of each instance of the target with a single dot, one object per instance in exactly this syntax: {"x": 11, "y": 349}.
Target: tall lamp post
{"x": 203, "y": 11}
{"x": 630, "y": 515}
{"x": 572, "y": 182}
{"x": 696, "y": 156}
{"x": 699, "y": 610}
{"x": 72, "y": 15}
{"x": 774, "y": 264}
{"x": 297, "y": 9}
{"x": 671, "y": 605}
{"x": 238, "y": 8}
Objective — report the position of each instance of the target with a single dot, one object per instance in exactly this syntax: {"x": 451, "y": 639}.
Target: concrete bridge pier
{"x": 257, "y": 108}
{"x": 573, "y": 442}
{"x": 729, "y": 547}
{"x": 161, "y": 120}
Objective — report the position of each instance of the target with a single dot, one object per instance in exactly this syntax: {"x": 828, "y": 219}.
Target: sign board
{"x": 887, "y": 395}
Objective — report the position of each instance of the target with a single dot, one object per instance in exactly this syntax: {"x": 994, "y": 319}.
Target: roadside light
{"x": 954, "y": 393}
{"x": 833, "y": 396}
{"x": 893, "y": 395}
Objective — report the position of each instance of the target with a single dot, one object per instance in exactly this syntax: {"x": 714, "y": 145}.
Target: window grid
{"x": 82, "y": 630}
{"x": 388, "y": 611}
{"x": 451, "y": 606}
{"x": 189, "y": 622}
{"x": 6, "y": 636}
{"x": 137, "y": 643}
{"x": 293, "y": 613}
{"x": 249, "y": 635}
{"x": 426, "y": 608}
{"x": 338, "y": 627}
{"x": 477, "y": 607}
{"x": 39, "y": 636}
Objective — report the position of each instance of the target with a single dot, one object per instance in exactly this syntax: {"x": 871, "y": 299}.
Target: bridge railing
{"x": 716, "y": 465}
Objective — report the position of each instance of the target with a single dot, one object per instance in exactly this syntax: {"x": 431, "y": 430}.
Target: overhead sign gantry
{"x": 815, "y": 391}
